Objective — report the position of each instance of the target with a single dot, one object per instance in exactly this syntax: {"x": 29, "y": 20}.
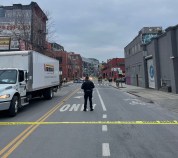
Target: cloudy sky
{"x": 102, "y": 28}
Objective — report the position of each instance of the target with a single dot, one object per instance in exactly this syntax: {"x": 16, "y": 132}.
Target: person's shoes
{"x": 91, "y": 109}
{"x": 84, "y": 109}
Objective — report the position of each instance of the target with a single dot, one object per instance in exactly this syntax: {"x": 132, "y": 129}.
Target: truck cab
{"x": 13, "y": 84}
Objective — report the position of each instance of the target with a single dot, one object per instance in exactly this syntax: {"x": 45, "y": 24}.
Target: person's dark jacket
{"x": 88, "y": 86}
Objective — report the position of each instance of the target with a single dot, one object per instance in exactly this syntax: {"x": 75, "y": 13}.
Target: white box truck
{"x": 25, "y": 75}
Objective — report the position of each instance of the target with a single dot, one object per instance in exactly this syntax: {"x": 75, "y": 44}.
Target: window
{"x": 135, "y": 49}
{"x": 21, "y": 76}
{"x": 60, "y": 59}
{"x": 121, "y": 64}
{"x": 2, "y": 12}
{"x": 139, "y": 68}
{"x": 138, "y": 47}
{"x": 8, "y": 76}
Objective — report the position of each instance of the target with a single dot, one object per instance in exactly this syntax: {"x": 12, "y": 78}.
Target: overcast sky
{"x": 102, "y": 28}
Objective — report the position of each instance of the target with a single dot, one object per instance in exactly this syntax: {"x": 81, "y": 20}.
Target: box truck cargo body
{"x": 25, "y": 75}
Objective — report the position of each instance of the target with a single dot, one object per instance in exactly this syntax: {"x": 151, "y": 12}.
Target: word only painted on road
{"x": 73, "y": 107}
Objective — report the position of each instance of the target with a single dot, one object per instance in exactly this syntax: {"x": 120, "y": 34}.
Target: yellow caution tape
{"x": 172, "y": 122}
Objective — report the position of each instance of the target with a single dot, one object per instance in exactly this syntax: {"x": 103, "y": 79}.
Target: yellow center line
{"x": 21, "y": 137}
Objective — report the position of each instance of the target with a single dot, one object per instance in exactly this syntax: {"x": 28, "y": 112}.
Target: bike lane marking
{"x": 105, "y": 149}
{"x": 104, "y": 128}
{"x": 101, "y": 100}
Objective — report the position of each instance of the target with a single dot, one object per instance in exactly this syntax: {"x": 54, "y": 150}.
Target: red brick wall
{"x": 113, "y": 63}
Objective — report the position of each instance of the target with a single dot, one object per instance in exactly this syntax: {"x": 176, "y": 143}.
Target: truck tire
{"x": 48, "y": 94}
{"x": 14, "y": 105}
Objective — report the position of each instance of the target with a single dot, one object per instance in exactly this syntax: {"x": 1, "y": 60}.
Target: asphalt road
{"x": 78, "y": 134}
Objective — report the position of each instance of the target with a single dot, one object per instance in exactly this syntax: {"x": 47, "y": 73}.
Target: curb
{"x": 142, "y": 98}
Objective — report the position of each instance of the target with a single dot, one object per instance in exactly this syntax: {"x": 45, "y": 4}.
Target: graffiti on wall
{"x": 146, "y": 38}
{"x": 16, "y": 25}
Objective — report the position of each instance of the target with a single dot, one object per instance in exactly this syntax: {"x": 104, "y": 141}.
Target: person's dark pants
{"x": 86, "y": 96}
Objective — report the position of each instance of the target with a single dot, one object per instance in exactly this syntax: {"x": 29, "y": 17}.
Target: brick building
{"x": 65, "y": 66}
{"x": 56, "y": 47}
{"x": 25, "y": 25}
{"x": 70, "y": 64}
{"x": 76, "y": 64}
{"x": 113, "y": 68}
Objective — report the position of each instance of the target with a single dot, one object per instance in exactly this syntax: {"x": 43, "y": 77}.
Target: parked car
{"x": 78, "y": 80}
{"x": 100, "y": 79}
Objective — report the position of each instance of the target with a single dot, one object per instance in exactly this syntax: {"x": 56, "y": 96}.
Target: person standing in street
{"x": 88, "y": 86}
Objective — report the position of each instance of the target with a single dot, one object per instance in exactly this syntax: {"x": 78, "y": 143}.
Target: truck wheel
{"x": 14, "y": 106}
{"x": 48, "y": 94}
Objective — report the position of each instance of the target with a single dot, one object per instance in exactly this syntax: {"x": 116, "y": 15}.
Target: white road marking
{"x": 82, "y": 107}
{"x": 64, "y": 108}
{"x": 105, "y": 149}
{"x": 101, "y": 100}
{"x": 104, "y": 128}
{"x": 135, "y": 101}
{"x": 74, "y": 107}
{"x": 104, "y": 116}
{"x": 87, "y": 109}
{"x": 78, "y": 97}
{"x": 94, "y": 106}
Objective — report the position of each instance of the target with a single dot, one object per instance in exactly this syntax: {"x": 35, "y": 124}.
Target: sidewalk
{"x": 164, "y": 99}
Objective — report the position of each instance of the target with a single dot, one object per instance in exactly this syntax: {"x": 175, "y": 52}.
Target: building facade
{"x": 134, "y": 55}
{"x": 90, "y": 66}
{"x": 114, "y": 68}
{"x": 95, "y": 65}
{"x": 56, "y": 47}
{"x": 159, "y": 59}
{"x": 65, "y": 66}
{"x": 76, "y": 64}
{"x": 25, "y": 25}
{"x": 70, "y": 64}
